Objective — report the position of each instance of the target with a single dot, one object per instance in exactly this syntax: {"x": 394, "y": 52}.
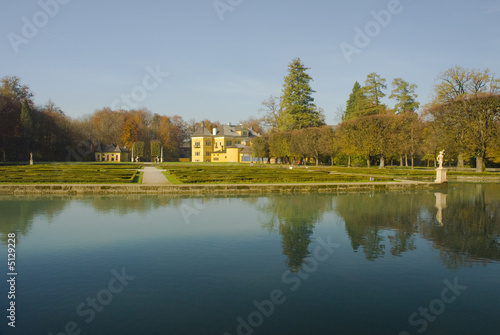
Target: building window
{"x": 208, "y": 153}
{"x": 208, "y": 143}
{"x": 244, "y": 133}
{"x": 197, "y": 144}
{"x": 197, "y": 153}
{"x": 229, "y": 142}
{"x": 216, "y": 159}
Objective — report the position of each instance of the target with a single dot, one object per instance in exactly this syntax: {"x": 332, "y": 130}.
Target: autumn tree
{"x": 171, "y": 132}
{"x": 466, "y": 106}
{"x": 408, "y": 136}
{"x": 260, "y": 147}
{"x": 253, "y": 123}
{"x": 494, "y": 148}
{"x": 327, "y": 142}
{"x": 107, "y": 126}
{"x": 130, "y": 130}
{"x": 359, "y": 137}
{"x": 279, "y": 145}
{"x": 271, "y": 110}
{"x": 11, "y": 87}
{"x": 345, "y": 137}
{"x": 457, "y": 82}
{"x": 297, "y": 106}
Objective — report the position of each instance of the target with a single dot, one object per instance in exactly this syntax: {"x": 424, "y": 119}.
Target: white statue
{"x": 440, "y": 159}
{"x": 31, "y": 158}
{"x": 137, "y": 159}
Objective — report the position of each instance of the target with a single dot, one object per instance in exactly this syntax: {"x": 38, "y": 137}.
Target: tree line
{"x": 463, "y": 119}
{"x": 51, "y": 135}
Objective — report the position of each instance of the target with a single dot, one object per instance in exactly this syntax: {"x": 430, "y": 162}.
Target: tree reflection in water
{"x": 462, "y": 224}
{"x": 294, "y": 216}
{"x": 374, "y": 220}
{"x": 18, "y": 213}
{"x": 470, "y": 232}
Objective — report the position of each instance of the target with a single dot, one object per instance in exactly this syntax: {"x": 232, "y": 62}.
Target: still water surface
{"x": 358, "y": 263}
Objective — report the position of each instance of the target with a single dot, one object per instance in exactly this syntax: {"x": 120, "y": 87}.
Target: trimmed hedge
{"x": 69, "y": 173}
{"x": 255, "y": 175}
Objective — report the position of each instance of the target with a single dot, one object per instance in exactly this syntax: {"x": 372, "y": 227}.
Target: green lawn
{"x": 200, "y": 174}
{"x": 92, "y": 173}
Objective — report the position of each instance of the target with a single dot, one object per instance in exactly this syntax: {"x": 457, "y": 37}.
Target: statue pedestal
{"x": 31, "y": 162}
{"x": 441, "y": 175}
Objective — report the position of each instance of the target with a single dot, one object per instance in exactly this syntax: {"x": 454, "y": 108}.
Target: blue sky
{"x": 87, "y": 54}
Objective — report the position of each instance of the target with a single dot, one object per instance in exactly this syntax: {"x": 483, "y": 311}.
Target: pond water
{"x": 356, "y": 263}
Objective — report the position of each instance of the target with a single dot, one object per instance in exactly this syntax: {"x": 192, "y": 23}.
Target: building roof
{"x": 112, "y": 148}
{"x": 202, "y": 132}
{"x": 225, "y": 130}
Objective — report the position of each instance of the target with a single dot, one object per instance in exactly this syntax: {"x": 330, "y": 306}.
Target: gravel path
{"x": 153, "y": 175}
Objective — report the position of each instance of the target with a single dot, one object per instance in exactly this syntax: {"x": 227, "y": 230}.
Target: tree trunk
{"x": 406, "y": 160}
{"x": 368, "y": 162}
{"x": 400, "y": 160}
{"x": 412, "y": 161}
{"x": 382, "y": 162}
{"x": 317, "y": 160}
{"x": 480, "y": 164}
{"x": 349, "y": 161}
{"x": 331, "y": 159}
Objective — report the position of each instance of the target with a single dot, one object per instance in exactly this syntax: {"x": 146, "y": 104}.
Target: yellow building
{"x": 112, "y": 153}
{"x": 228, "y": 143}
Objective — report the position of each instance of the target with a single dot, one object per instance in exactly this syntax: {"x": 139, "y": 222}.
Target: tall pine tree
{"x": 374, "y": 86}
{"x": 404, "y": 93}
{"x": 357, "y": 103}
{"x": 297, "y": 106}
